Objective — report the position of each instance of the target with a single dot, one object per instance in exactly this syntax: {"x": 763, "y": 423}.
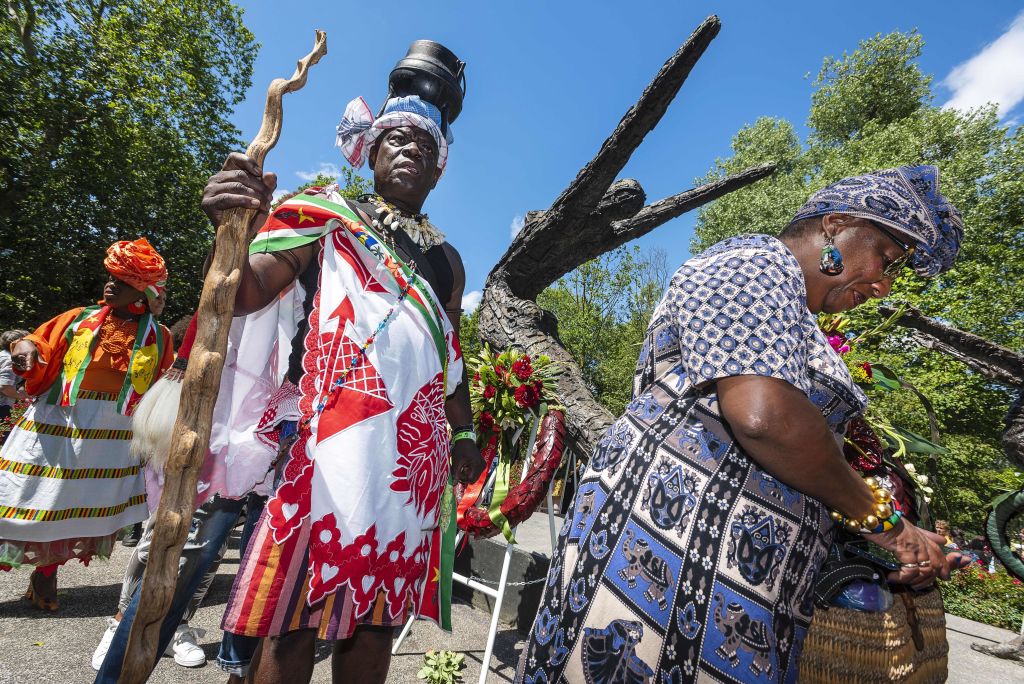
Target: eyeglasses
{"x": 895, "y": 267}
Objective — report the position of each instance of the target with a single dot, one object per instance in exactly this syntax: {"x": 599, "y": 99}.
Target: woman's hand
{"x": 919, "y": 552}
{"x": 241, "y": 183}
{"x": 25, "y": 356}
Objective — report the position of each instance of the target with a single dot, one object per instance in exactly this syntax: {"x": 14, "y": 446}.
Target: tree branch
{"x": 662, "y": 211}
{"x": 1013, "y": 435}
{"x": 583, "y": 194}
{"x": 991, "y": 360}
{"x": 24, "y": 24}
{"x": 589, "y": 218}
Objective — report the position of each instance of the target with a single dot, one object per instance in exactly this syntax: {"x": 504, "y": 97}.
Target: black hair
{"x": 10, "y": 337}
{"x": 179, "y": 329}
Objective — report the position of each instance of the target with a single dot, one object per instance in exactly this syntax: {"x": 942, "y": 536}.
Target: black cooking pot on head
{"x": 433, "y": 72}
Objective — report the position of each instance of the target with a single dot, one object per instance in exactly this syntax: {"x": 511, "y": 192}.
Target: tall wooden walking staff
{"x": 199, "y": 393}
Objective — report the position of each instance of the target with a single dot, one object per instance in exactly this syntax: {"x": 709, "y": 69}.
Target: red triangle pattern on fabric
{"x": 362, "y": 396}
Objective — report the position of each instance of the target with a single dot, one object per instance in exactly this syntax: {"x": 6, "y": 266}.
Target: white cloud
{"x": 280, "y": 192}
{"x": 326, "y": 169}
{"x": 471, "y": 300}
{"x": 996, "y": 74}
{"x": 517, "y": 225}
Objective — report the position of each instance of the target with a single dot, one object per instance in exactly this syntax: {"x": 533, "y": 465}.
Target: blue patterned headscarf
{"x": 359, "y": 129}
{"x": 906, "y": 199}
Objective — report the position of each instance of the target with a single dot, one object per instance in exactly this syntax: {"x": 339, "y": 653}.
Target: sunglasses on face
{"x": 893, "y": 268}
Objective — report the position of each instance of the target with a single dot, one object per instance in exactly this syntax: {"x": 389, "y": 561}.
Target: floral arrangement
{"x": 508, "y": 388}
{"x": 865, "y": 451}
{"x": 507, "y": 391}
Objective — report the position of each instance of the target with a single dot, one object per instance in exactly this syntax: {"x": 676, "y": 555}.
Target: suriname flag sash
{"x": 286, "y": 228}
{"x": 82, "y": 335}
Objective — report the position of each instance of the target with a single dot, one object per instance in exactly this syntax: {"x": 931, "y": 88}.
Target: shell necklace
{"x": 417, "y": 226}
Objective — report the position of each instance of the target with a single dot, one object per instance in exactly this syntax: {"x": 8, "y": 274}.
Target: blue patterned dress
{"x": 682, "y": 560}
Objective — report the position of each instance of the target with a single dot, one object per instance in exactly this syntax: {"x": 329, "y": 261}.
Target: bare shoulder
{"x": 455, "y": 259}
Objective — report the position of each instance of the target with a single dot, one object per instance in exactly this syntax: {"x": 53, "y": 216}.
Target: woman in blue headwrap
{"x": 707, "y": 508}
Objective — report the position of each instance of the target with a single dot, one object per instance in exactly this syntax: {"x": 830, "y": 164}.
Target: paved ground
{"x": 967, "y": 666}
{"x": 39, "y": 648}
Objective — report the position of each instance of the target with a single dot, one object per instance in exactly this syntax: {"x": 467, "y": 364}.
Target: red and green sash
{"x": 307, "y": 218}
{"x": 82, "y": 335}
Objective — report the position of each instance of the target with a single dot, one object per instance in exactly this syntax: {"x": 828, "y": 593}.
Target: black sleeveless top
{"x": 431, "y": 265}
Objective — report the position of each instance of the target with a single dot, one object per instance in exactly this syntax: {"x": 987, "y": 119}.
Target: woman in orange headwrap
{"x": 68, "y": 481}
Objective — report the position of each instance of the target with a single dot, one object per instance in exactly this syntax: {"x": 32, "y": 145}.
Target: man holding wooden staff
{"x": 352, "y": 538}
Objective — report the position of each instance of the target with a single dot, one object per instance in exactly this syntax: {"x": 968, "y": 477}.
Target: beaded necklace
{"x": 358, "y": 357}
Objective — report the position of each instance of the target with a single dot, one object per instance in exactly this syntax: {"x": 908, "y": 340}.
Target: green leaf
{"x": 884, "y": 377}
{"x": 914, "y": 443}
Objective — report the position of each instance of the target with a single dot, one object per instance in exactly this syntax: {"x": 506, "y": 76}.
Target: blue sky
{"x": 548, "y": 81}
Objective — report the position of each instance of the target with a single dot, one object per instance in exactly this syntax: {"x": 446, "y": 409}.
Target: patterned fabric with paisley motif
{"x": 681, "y": 560}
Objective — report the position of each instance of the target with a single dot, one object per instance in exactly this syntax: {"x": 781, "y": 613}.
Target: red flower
{"x": 526, "y": 396}
{"x": 476, "y": 378}
{"x": 867, "y": 369}
{"x": 1017, "y": 582}
{"x": 486, "y": 421}
{"x": 538, "y": 387}
{"x": 522, "y": 368}
{"x": 499, "y": 369}
{"x": 489, "y": 391}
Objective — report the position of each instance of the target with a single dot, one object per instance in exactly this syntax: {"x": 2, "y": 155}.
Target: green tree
{"x": 603, "y": 308}
{"x": 469, "y": 335}
{"x": 351, "y": 184}
{"x": 873, "y": 109}
{"x": 878, "y": 83}
{"x": 114, "y": 114}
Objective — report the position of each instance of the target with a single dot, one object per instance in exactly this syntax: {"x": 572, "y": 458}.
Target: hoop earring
{"x": 831, "y": 262}
{"x": 137, "y": 307}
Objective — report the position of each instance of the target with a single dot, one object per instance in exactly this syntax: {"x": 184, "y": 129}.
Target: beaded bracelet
{"x": 886, "y": 514}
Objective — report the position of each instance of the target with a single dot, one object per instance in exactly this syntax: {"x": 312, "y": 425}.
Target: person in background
{"x": 942, "y": 527}
{"x": 11, "y": 389}
{"x": 68, "y": 482}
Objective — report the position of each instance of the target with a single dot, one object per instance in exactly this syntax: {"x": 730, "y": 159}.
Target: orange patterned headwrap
{"x": 137, "y": 264}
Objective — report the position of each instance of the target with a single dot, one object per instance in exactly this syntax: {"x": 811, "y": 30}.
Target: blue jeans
{"x": 236, "y": 650}
{"x": 211, "y": 525}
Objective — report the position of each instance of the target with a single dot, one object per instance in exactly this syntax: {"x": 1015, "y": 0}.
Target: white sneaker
{"x": 101, "y": 651}
{"x": 184, "y": 648}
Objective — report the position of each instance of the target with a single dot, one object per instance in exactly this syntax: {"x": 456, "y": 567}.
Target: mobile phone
{"x": 873, "y": 553}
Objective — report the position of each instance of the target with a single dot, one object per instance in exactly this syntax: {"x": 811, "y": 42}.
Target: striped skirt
{"x": 68, "y": 482}
{"x": 268, "y": 597}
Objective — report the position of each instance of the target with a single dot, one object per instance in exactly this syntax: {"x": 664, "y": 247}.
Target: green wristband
{"x": 463, "y": 434}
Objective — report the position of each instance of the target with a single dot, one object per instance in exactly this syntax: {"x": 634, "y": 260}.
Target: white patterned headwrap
{"x": 358, "y": 129}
